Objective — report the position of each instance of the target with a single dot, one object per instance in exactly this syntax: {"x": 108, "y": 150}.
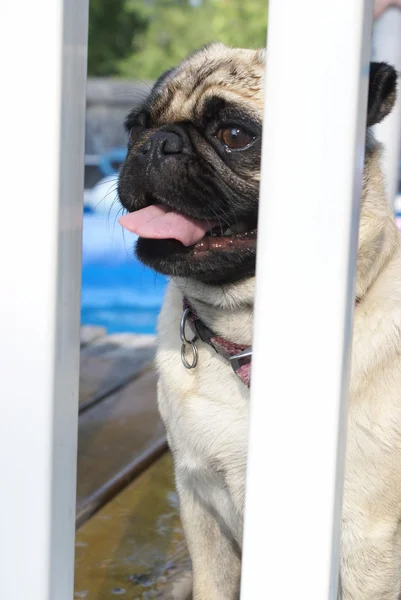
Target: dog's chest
{"x": 209, "y": 442}
{"x": 205, "y": 411}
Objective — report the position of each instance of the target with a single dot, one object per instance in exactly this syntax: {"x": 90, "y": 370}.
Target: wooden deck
{"x": 129, "y": 540}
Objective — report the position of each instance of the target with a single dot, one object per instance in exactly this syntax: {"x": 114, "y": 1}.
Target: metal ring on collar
{"x": 189, "y": 365}
{"x": 186, "y": 342}
{"x": 184, "y": 319}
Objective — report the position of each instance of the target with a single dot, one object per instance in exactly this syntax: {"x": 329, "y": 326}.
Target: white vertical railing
{"x": 314, "y": 130}
{"x": 43, "y": 69}
{"x": 387, "y": 47}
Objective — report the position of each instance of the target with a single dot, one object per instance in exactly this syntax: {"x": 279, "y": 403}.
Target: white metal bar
{"x": 387, "y": 47}
{"x": 43, "y": 66}
{"x": 314, "y": 131}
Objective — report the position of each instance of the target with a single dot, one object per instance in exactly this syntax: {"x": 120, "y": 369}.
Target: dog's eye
{"x": 234, "y": 138}
{"x": 134, "y": 133}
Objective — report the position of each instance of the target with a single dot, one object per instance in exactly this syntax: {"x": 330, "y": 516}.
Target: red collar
{"x": 238, "y": 355}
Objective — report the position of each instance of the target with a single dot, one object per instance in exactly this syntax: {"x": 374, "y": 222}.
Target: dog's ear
{"x": 382, "y": 91}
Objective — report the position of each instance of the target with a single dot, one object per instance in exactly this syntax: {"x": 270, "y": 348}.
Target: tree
{"x": 140, "y": 39}
{"x": 113, "y": 24}
{"x": 176, "y": 27}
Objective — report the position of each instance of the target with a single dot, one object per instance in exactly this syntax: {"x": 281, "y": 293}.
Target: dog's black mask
{"x": 195, "y": 149}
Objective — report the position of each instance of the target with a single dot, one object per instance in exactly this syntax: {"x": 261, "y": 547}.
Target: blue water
{"x": 118, "y": 292}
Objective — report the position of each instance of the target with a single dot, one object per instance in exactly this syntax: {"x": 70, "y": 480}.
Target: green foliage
{"x": 113, "y": 24}
{"x": 163, "y": 32}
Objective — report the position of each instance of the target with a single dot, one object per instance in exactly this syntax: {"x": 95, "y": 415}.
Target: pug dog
{"x": 190, "y": 185}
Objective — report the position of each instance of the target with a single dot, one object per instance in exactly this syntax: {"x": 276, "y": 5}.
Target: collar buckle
{"x": 240, "y": 359}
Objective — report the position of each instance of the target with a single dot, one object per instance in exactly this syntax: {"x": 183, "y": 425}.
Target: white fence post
{"x": 314, "y": 132}
{"x": 387, "y": 47}
{"x": 43, "y": 47}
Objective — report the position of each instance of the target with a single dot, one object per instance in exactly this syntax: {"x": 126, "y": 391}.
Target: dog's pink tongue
{"x": 157, "y": 222}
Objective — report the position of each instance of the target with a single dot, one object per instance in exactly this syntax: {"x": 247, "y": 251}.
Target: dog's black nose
{"x": 163, "y": 143}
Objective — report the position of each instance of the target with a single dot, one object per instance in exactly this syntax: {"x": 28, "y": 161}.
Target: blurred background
{"x": 131, "y": 42}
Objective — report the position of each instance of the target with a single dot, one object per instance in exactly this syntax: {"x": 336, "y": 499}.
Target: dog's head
{"x": 190, "y": 182}
{"x": 193, "y": 167}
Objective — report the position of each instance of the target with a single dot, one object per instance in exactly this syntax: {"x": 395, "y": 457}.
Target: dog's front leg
{"x": 216, "y": 561}
{"x": 371, "y": 559}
